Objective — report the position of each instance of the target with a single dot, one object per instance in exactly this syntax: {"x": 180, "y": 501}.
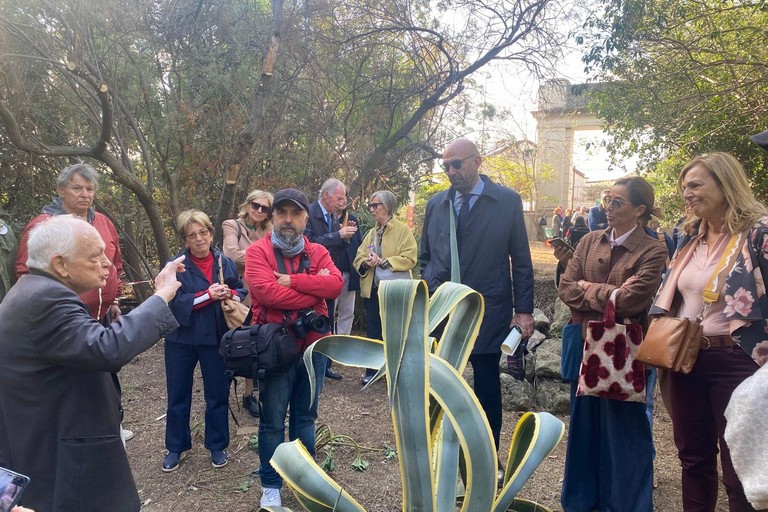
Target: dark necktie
{"x": 463, "y": 214}
{"x": 329, "y": 221}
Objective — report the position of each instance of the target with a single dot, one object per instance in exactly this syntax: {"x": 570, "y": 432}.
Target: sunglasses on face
{"x": 260, "y": 207}
{"x": 373, "y": 206}
{"x": 456, "y": 163}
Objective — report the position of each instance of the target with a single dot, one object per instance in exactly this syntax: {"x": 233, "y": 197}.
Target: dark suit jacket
{"x": 342, "y": 253}
{"x": 495, "y": 237}
{"x": 59, "y": 407}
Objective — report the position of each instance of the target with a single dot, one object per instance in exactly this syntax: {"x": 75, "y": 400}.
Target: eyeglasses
{"x": 202, "y": 234}
{"x": 456, "y": 163}
{"x": 373, "y": 206}
{"x": 615, "y": 203}
{"x": 261, "y": 207}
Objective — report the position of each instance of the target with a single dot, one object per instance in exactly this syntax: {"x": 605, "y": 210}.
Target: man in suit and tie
{"x": 493, "y": 258}
{"x": 341, "y": 237}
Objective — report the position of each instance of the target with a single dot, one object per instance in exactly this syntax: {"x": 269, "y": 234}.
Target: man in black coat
{"x": 59, "y": 406}
{"x": 491, "y": 239}
{"x": 342, "y": 238}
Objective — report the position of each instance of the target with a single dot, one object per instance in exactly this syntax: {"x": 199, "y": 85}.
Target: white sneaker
{"x": 126, "y": 434}
{"x": 270, "y": 497}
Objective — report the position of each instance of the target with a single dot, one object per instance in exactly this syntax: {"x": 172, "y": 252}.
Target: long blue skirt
{"x": 609, "y": 458}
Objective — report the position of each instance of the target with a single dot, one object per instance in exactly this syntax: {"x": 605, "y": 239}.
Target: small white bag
{"x": 746, "y": 424}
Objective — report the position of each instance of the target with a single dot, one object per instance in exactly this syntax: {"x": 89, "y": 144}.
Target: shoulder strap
{"x": 455, "y": 266}
{"x": 280, "y": 259}
{"x": 239, "y": 230}
{"x": 303, "y": 265}
{"x": 712, "y": 292}
{"x": 221, "y": 271}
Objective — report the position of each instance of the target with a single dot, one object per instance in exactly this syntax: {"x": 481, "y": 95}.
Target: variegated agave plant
{"x": 438, "y": 422}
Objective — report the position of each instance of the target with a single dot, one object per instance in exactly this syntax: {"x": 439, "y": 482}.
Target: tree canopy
{"x": 681, "y": 78}
{"x": 161, "y": 96}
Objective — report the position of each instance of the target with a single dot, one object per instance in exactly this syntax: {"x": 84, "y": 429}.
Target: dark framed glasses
{"x": 260, "y": 207}
{"x": 373, "y": 206}
{"x": 456, "y": 163}
{"x": 615, "y": 203}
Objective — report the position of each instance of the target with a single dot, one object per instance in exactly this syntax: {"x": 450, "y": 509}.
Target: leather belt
{"x": 708, "y": 342}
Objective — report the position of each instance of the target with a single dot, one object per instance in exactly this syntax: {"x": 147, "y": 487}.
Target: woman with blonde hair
{"x": 253, "y": 222}
{"x": 723, "y": 255}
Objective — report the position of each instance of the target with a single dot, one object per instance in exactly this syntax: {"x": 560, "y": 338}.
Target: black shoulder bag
{"x": 260, "y": 350}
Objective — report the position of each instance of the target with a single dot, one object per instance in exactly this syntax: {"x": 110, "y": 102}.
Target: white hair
{"x": 329, "y": 186}
{"x": 52, "y": 237}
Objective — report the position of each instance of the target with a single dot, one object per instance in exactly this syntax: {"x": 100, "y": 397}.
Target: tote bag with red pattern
{"x": 608, "y": 367}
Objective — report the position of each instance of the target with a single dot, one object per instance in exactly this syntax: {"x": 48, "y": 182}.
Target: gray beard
{"x": 291, "y": 240}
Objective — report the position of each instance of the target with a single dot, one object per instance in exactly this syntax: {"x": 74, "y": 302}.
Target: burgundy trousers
{"x": 698, "y": 401}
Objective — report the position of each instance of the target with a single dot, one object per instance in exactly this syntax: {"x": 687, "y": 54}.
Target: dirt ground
{"x": 347, "y": 411}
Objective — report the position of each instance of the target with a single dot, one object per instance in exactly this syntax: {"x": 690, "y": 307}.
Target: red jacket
{"x": 307, "y": 290}
{"x": 111, "y": 290}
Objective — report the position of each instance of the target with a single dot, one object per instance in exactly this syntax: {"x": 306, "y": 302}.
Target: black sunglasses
{"x": 456, "y": 163}
{"x": 373, "y": 206}
{"x": 264, "y": 208}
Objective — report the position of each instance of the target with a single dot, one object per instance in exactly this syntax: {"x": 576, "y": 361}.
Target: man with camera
{"x": 290, "y": 279}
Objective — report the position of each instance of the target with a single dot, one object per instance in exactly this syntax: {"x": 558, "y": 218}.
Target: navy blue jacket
{"x": 342, "y": 253}
{"x": 495, "y": 235}
{"x": 597, "y": 219}
{"x": 204, "y": 326}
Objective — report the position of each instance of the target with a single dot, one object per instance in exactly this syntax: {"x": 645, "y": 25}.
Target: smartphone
{"x": 559, "y": 242}
{"x": 12, "y": 485}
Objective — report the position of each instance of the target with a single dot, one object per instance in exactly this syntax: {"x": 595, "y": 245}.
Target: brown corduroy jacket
{"x": 637, "y": 268}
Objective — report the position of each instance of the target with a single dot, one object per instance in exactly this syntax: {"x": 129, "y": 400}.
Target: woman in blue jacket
{"x": 201, "y": 326}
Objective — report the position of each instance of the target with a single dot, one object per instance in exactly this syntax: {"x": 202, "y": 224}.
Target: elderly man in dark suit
{"x": 59, "y": 406}
{"x": 342, "y": 238}
{"x": 491, "y": 237}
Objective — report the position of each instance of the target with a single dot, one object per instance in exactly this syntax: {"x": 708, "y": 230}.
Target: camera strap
{"x": 303, "y": 266}
{"x": 303, "y": 262}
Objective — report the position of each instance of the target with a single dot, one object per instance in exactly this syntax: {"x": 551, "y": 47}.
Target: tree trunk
{"x": 254, "y": 125}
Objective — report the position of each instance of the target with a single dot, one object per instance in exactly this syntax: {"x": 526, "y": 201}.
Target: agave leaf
{"x": 535, "y": 436}
{"x": 314, "y": 489}
{"x": 462, "y": 409}
{"x": 347, "y": 350}
{"x": 403, "y": 305}
{"x": 446, "y": 465}
{"x": 521, "y": 505}
{"x": 465, "y": 308}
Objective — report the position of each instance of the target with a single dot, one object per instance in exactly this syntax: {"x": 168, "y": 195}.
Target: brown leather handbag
{"x": 235, "y": 312}
{"x": 671, "y": 343}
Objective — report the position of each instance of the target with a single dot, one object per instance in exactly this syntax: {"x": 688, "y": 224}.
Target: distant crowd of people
{"x": 64, "y": 339}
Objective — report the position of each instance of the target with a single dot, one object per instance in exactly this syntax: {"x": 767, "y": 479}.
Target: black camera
{"x": 310, "y": 321}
